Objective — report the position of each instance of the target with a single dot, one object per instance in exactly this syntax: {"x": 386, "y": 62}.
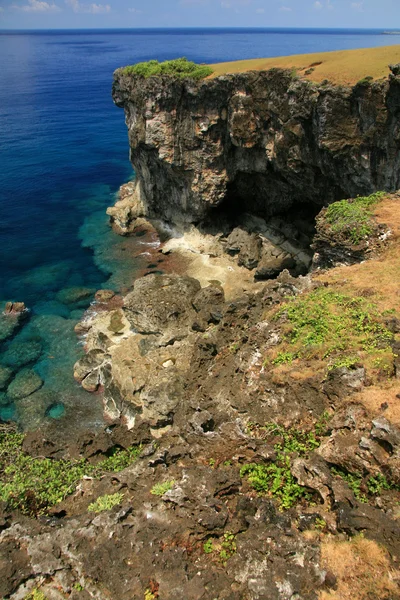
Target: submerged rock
{"x": 25, "y": 383}
{"x": 22, "y": 353}
{"x": 75, "y": 295}
{"x": 5, "y": 376}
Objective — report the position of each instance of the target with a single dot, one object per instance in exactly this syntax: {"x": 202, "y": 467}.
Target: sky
{"x": 61, "y": 14}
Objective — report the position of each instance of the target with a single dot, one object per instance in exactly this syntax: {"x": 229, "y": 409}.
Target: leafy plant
{"x": 34, "y": 484}
{"x": 353, "y": 218}
{"x": 275, "y": 479}
{"x": 106, "y": 502}
{"x": 377, "y": 483}
{"x": 159, "y": 489}
{"x": 228, "y": 546}
{"x": 327, "y": 325}
{"x": 354, "y": 481}
{"x": 35, "y": 595}
{"x": 208, "y": 547}
{"x": 179, "y": 68}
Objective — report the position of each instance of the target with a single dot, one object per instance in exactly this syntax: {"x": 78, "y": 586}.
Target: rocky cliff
{"x": 260, "y": 142}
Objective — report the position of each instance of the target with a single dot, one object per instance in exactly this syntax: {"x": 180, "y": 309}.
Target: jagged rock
{"x": 25, "y": 383}
{"x": 162, "y": 304}
{"x": 313, "y": 473}
{"x": 104, "y": 295}
{"x": 269, "y": 268}
{"x": 14, "y": 308}
{"x": 258, "y": 142}
{"x": 127, "y": 209}
{"x": 373, "y": 523}
{"x": 247, "y": 246}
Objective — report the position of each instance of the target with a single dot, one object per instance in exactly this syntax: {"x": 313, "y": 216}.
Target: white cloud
{"x": 260, "y": 11}
{"x": 285, "y": 9}
{"x": 36, "y": 6}
{"x": 357, "y": 6}
{"x": 135, "y": 10}
{"x": 93, "y": 9}
{"x": 321, "y": 4}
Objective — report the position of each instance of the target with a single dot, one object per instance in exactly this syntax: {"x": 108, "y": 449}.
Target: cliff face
{"x": 259, "y": 142}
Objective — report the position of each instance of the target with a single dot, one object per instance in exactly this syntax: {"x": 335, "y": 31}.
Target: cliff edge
{"x": 260, "y": 142}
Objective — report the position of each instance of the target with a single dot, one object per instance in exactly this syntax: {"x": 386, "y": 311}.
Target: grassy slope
{"x": 342, "y": 67}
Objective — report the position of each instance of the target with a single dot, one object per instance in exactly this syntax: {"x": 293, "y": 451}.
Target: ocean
{"x": 63, "y": 155}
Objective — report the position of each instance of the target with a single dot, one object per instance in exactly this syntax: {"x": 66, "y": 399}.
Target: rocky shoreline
{"x": 260, "y": 395}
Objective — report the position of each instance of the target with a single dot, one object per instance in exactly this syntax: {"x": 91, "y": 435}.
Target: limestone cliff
{"x": 259, "y": 142}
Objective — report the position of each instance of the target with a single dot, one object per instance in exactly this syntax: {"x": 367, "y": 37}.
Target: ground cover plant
{"x": 352, "y": 219}
{"x": 32, "y": 485}
{"x": 106, "y": 502}
{"x": 179, "y": 68}
{"x": 275, "y": 478}
{"x": 335, "y": 328}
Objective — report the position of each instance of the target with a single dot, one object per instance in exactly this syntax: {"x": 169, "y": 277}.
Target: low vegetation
{"x": 365, "y": 488}
{"x": 362, "y": 569}
{"x": 343, "y": 67}
{"x": 159, "y": 489}
{"x": 337, "y": 329}
{"x": 352, "y": 219}
{"x": 106, "y": 502}
{"x": 179, "y": 68}
{"x": 33, "y": 485}
{"x": 275, "y": 479}
{"x": 223, "y": 548}
{"x": 35, "y": 595}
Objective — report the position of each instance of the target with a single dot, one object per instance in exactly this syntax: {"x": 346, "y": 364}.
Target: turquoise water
{"x": 63, "y": 155}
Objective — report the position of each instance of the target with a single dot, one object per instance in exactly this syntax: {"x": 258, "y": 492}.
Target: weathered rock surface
{"x": 260, "y": 142}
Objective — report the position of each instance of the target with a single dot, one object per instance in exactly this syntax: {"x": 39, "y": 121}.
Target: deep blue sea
{"x": 63, "y": 155}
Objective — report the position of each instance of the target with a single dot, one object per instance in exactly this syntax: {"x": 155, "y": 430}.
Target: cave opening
{"x": 265, "y": 233}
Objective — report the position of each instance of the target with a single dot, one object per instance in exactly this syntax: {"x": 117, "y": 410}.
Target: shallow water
{"x": 63, "y": 155}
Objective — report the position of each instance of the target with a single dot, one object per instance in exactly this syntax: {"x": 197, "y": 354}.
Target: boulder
{"x": 270, "y": 267}
{"x": 246, "y": 245}
{"x": 162, "y": 304}
{"x": 25, "y": 383}
{"x": 75, "y": 295}
{"x": 21, "y": 353}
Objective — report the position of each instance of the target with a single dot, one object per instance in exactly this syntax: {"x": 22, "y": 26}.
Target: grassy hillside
{"x": 345, "y": 67}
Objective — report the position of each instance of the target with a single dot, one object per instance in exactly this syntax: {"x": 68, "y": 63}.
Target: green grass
{"x": 179, "y": 68}
{"x": 159, "y": 489}
{"x": 106, "y": 502}
{"x": 352, "y": 219}
{"x": 327, "y": 325}
{"x": 33, "y": 485}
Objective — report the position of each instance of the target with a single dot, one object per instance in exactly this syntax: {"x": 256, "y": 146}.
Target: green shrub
{"x": 275, "y": 479}
{"x": 106, "y": 502}
{"x": 352, "y": 218}
{"x": 208, "y": 547}
{"x": 35, "y": 484}
{"x": 179, "y": 68}
{"x": 159, "y": 489}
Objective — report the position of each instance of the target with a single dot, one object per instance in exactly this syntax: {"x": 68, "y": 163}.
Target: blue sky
{"x": 37, "y": 14}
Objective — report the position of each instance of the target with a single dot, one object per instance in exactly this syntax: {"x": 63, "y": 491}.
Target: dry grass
{"x": 362, "y": 569}
{"x": 383, "y": 400}
{"x": 378, "y": 279}
{"x": 344, "y": 67}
